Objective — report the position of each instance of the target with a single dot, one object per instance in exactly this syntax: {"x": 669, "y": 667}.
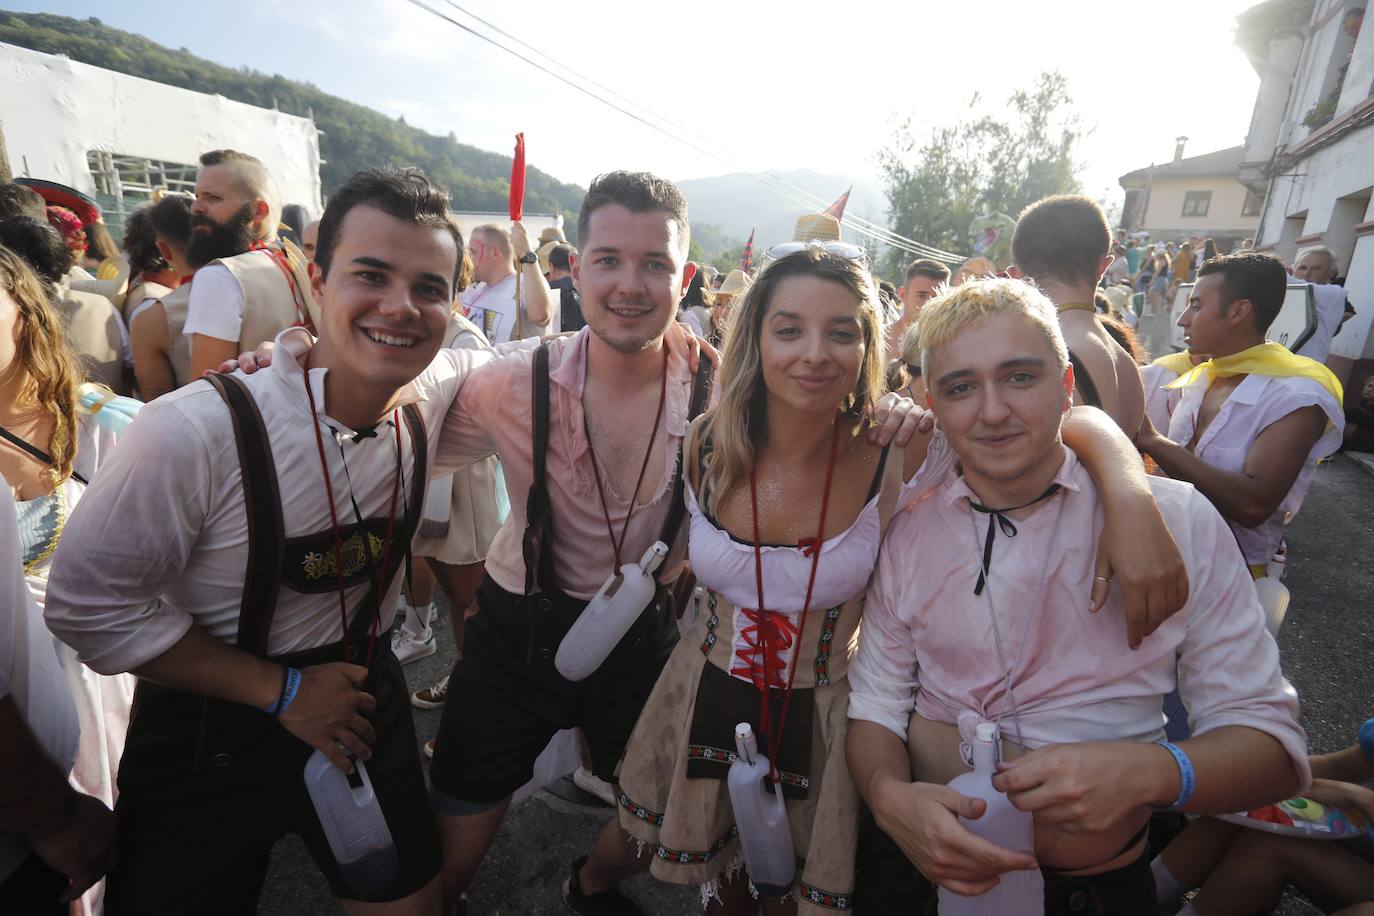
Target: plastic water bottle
{"x": 609, "y": 615}
{"x": 760, "y": 818}
{"x": 354, "y": 825}
{"x": 1018, "y": 893}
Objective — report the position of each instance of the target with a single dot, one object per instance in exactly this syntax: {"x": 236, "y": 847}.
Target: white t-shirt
{"x": 216, "y": 305}
{"x": 1330, "y": 302}
{"x": 29, "y": 671}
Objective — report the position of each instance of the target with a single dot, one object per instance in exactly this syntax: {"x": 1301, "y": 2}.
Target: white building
{"x": 1197, "y": 197}
{"x": 1310, "y": 149}
{"x": 116, "y": 137}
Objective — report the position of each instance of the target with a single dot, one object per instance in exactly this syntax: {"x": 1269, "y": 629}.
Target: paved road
{"x": 1326, "y": 643}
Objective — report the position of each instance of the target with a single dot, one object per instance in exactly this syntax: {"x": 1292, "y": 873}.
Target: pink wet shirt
{"x": 495, "y": 406}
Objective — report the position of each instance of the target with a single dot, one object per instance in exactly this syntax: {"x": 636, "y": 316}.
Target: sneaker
{"x": 592, "y": 784}
{"x": 431, "y": 697}
{"x": 607, "y": 903}
{"x": 433, "y": 614}
{"x": 411, "y": 647}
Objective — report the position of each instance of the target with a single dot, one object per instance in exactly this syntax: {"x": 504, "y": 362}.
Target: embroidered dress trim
{"x": 695, "y": 857}
{"x": 727, "y": 757}
{"x": 832, "y": 617}
{"x": 827, "y": 899}
{"x": 652, "y": 818}
{"x": 711, "y": 623}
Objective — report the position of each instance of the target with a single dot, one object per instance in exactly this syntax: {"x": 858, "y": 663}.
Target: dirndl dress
{"x": 673, "y": 797}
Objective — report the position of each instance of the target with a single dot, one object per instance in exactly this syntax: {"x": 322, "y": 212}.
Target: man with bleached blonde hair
{"x": 966, "y": 623}
{"x": 249, "y": 285}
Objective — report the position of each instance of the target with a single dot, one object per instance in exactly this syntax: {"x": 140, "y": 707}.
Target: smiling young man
{"x": 1254, "y": 419}
{"x": 240, "y": 554}
{"x": 249, "y": 284}
{"x": 966, "y": 623}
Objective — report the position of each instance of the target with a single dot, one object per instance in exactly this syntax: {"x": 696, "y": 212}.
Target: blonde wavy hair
{"x": 724, "y": 436}
{"x": 947, "y": 316}
{"x": 51, "y": 372}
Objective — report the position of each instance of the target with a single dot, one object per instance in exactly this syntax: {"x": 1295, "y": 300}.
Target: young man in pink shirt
{"x": 975, "y": 614}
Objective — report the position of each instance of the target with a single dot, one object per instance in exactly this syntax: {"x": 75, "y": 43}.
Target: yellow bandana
{"x": 1268, "y": 358}
{"x": 1177, "y": 363}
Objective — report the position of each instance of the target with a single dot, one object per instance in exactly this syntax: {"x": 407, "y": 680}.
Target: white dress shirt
{"x": 159, "y": 541}
{"x": 928, "y": 641}
{"x": 1252, "y": 407}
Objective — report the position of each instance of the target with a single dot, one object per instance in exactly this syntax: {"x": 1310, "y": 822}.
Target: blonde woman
{"x": 788, "y": 506}
{"x": 49, "y": 449}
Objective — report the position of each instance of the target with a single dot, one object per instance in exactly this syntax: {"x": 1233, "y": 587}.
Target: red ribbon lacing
{"x": 362, "y": 532}
{"x": 774, "y": 631}
{"x": 278, "y": 257}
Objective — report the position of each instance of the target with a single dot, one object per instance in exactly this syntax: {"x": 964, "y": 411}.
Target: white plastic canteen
{"x": 760, "y": 818}
{"x": 354, "y": 825}
{"x": 1018, "y": 893}
{"x": 609, "y": 615}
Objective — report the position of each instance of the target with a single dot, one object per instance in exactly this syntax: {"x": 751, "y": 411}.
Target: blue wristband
{"x": 290, "y": 683}
{"x": 1187, "y": 778}
{"x": 1366, "y": 739}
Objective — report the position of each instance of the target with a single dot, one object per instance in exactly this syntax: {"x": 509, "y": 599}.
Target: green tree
{"x": 938, "y": 185}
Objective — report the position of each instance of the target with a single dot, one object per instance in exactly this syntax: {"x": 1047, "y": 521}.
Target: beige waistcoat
{"x": 175, "y": 304}
{"x": 93, "y": 332}
{"x": 269, "y": 303}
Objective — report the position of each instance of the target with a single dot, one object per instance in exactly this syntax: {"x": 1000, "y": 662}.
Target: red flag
{"x": 837, "y": 208}
{"x": 517, "y": 180}
{"x": 746, "y": 258}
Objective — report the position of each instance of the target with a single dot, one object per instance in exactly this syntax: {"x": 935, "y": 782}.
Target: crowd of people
{"x": 244, "y": 454}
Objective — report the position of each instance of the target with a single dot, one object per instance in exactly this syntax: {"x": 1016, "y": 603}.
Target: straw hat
{"x": 736, "y": 282}
{"x": 551, "y": 234}
{"x": 816, "y": 227}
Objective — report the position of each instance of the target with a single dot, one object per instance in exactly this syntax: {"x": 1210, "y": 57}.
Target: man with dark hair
{"x": 1062, "y": 245}
{"x": 923, "y": 277}
{"x": 254, "y": 598}
{"x": 249, "y": 284}
{"x": 162, "y": 353}
{"x": 561, "y": 279}
{"x": 18, "y": 200}
{"x": 1254, "y": 419}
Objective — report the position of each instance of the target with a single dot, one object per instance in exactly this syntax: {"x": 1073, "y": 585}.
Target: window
{"x": 1253, "y": 202}
{"x": 123, "y": 183}
{"x": 1195, "y": 203}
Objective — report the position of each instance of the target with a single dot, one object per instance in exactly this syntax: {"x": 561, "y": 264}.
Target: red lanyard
{"x": 765, "y": 714}
{"x": 648, "y": 451}
{"x": 362, "y": 530}
{"x": 279, "y": 258}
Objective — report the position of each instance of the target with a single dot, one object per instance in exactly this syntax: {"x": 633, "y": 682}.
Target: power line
{"x": 796, "y": 195}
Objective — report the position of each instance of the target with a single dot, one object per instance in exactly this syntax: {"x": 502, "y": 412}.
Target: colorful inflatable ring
{"x": 1303, "y": 817}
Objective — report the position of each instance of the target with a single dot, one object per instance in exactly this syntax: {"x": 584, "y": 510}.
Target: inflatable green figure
{"x": 991, "y": 234}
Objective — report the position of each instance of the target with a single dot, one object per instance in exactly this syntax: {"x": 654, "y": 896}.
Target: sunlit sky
{"x": 766, "y": 86}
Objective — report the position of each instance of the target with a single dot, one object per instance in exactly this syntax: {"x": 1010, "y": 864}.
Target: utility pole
{"x": 6, "y": 174}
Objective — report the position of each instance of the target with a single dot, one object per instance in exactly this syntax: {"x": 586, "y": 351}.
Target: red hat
{"x": 59, "y": 195}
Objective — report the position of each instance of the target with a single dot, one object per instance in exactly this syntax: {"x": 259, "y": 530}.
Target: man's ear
{"x": 260, "y": 213}
{"x": 1103, "y": 264}
{"x": 575, "y": 268}
{"x": 164, "y": 249}
{"x": 1241, "y": 310}
{"x": 1068, "y": 386}
{"x": 689, "y": 271}
{"x": 316, "y": 282}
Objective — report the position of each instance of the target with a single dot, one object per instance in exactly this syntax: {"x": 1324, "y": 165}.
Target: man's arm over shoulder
{"x": 1115, "y": 377}
{"x": 481, "y": 405}
{"x": 130, "y": 537}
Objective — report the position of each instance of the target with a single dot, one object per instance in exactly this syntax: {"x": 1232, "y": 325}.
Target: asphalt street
{"x": 1326, "y": 644}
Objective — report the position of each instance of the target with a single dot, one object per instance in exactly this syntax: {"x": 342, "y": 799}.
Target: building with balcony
{"x": 1310, "y": 149}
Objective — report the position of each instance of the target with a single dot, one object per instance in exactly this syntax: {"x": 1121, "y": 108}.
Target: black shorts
{"x": 506, "y": 699}
{"x": 207, "y": 787}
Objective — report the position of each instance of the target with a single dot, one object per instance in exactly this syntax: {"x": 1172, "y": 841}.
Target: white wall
{"x": 1165, "y": 210}
{"x": 54, "y": 111}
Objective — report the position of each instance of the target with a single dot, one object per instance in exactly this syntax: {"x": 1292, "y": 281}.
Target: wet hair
{"x": 18, "y": 200}
{"x": 1064, "y": 238}
{"x": 638, "y": 192}
{"x": 1259, "y": 278}
{"x": 405, "y": 194}
{"x": 927, "y": 267}
{"x": 40, "y": 246}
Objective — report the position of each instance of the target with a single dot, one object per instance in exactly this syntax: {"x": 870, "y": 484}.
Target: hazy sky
{"x": 765, "y": 85}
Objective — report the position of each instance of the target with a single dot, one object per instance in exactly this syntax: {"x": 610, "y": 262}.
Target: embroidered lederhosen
{"x": 541, "y": 587}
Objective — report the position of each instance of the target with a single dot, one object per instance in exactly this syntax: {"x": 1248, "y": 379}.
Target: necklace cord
{"x": 618, "y": 545}
{"x": 774, "y": 736}
{"x": 363, "y": 533}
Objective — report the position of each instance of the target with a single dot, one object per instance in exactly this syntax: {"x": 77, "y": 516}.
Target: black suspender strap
{"x": 262, "y": 500}
{"x": 35, "y": 451}
{"x": 1084, "y": 382}
{"x": 538, "y": 540}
